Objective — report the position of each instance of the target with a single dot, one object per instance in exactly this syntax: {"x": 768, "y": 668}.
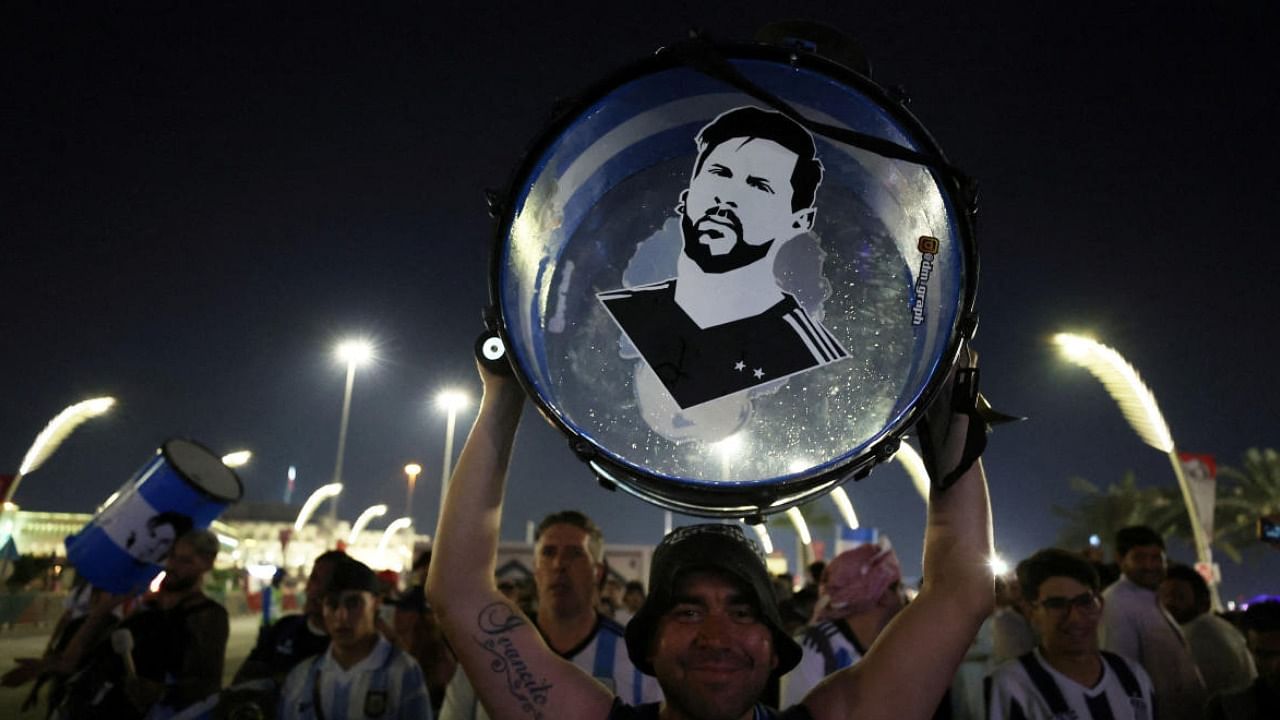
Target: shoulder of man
{"x": 610, "y": 625}
{"x": 1010, "y": 691}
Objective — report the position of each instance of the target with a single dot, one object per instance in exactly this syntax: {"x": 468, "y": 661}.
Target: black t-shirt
{"x": 622, "y": 711}
{"x": 280, "y": 647}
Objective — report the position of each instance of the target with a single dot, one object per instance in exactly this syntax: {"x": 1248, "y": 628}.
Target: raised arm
{"x": 512, "y": 670}
{"x": 908, "y": 669}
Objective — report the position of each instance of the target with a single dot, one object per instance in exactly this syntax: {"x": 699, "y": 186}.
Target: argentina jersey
{"x": 387, "y": 684}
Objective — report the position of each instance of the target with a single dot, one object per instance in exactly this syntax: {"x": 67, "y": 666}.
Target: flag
{"x": 1202, "y": 478}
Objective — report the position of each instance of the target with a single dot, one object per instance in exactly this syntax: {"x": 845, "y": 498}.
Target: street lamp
{"x": 58, "y": 429}
{"x": 354, "y": 353}
{"x": 1138, "y": 404}
{"x": 236, "y": 459}
{"x": 412, "y": 470}
{"x": 371, "y": 512}
{"x": 322, "y": 493}
{"x": 451, "y": 401}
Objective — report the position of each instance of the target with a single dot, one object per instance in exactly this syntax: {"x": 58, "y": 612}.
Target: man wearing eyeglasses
{"x": 1067, "y": 675}
{"x": 361, "y": 675}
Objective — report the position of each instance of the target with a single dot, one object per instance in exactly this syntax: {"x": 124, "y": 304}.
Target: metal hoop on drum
{"x": 733, "y": 278}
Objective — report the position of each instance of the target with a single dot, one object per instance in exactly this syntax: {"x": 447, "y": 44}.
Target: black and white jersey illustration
{"x": 723, "y": 325}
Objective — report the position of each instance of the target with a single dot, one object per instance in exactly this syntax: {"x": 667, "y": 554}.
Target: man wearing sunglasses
{"x": 1067, "y": 675}
{"x": 361, "y": 675}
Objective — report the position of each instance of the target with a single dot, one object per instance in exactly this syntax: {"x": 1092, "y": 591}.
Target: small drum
{"x": 734, "y": 277}
{"x": 124, "y": 546}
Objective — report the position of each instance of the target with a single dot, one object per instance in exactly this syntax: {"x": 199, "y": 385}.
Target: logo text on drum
{"x": 928, "y": 247}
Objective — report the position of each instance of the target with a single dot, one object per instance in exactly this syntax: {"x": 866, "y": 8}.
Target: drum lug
{"x": 899, "y": 95}
{"x": 582, "y": 449}
{"x": 493, "y": 199}
{"x": 887, "y": 449}
{"x": 607, "y": 484}
{"x": 756, "y": 519}
{"x": 968, "y": 325}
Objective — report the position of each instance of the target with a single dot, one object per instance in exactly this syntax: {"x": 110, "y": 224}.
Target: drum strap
{"x": 934, "y": 427}
{"x": 700, "y": 55}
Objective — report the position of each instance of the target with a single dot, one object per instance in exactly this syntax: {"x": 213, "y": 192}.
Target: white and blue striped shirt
{"x": 387, "y": 684}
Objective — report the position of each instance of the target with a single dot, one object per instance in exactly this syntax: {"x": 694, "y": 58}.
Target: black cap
{"x": 351, "y": 574}
{"x": 722, "y": 548}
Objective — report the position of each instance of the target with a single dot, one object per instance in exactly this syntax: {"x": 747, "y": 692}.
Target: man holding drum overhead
{"x": 710, "y": 629}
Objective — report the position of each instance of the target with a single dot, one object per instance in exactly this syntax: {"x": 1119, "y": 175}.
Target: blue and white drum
{"x": 734, "y": 288}
{"x": 124, "y": 546}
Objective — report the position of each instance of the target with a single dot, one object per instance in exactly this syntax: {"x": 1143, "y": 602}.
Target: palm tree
{"x": 1103, "y": 512}
{"x": 1243, "y": 496}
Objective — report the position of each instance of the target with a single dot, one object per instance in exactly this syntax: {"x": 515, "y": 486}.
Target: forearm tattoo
{"x": 496, "y": 621}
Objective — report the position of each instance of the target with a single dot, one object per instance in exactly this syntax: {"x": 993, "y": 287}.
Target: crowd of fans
{"x": 715, "y": 636}
{"x": 1059, "y": 643}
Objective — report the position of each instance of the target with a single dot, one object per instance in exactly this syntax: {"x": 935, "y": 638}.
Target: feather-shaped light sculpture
{"x": 845, "y": 506}
{"x": 911, "y": 462}
{"x": 1136, "y": 401}
{"x": 371, "y": 512}
{"x": 1138, "y": 405}
{"x": 54, "y": 433}
{"x": 322, "y": 493}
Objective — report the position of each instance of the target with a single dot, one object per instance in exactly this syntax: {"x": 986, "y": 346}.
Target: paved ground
{"x": 30, "y": 642}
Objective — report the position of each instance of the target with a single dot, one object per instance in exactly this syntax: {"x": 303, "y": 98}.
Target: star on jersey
{"x": 690, "y": 361}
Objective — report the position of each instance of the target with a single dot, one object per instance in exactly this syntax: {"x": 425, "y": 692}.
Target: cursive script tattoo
{"x": 495, "y": 621}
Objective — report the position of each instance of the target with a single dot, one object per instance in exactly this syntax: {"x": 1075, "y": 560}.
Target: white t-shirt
{"x": 1221, "y": 653}
{"x": 603, "y": 655}
{"x": 1135, "y": 626}
{"x": 1015, "y": 694}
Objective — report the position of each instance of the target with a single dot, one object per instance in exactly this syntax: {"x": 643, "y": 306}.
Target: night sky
{"x": 199, "y": 202}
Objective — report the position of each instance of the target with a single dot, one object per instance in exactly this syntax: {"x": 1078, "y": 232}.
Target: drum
{"x": 124, "y": 546}
{"x": 733, "y": 277}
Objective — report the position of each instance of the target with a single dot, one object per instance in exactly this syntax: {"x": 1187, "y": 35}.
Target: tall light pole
{"x": 411, "y": 471}
{"x": 354, "y": 353}
{"x": 1138, "y": 404}
{"x": 451, "y": 401}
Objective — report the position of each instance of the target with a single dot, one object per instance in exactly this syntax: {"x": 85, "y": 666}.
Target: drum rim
{"x": 805, "y": 486}
{"x": 171, "y": 461}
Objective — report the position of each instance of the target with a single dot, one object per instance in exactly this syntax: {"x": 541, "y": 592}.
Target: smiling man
{"x": 723, "y": 324}
{"x": 709, "y": 630}
{"x": 1136, "y": 626}
{"x": 1067, "y": 675}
